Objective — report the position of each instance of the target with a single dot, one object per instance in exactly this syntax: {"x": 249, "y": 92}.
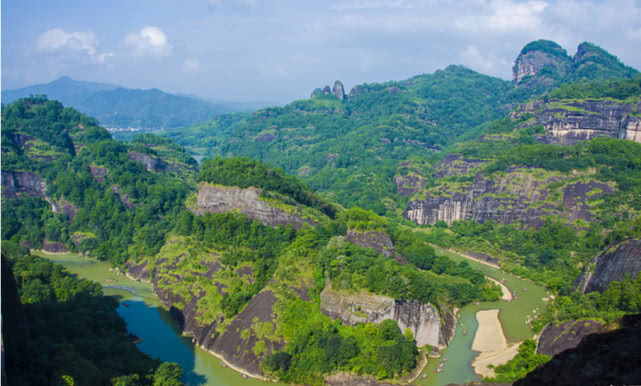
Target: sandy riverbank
{"x": 467, "y": 256}
{"x": 506, "y": 292}
{"x": 491, "y": 343}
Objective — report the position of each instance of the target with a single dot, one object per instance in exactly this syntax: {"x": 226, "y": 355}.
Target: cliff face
{"x": 520, "y": 194}
{"x": 555, "y": 339}
{"x": 600, "y": 359}
{"x": 612, "y": 264}
{"x": 221, "y": 199}
{"x": 537, "y": 57}
{"x": 422, "y": 319}
{"x": 233, "y": 348}
{"x": 568, "y": 122}
{"x": 16, "y": 184}
{"x": 379, "y": 241}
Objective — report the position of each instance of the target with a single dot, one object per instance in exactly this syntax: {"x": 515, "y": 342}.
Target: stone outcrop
{"x": 423, "y": 319}
{"x": 228, "y": 345}
{"x": 98, "y": 173}
{"x": 518, "y": 195}
{"x": 555, "y": 339}
{"x": 338, "y": 90}
{"x": 124, "y": 197}
{"x": 377, "y": 240}
{"x": 456, "y": 165}
{"x": 150, "y": 162}
{"x": 568, "y": 122}
{"x": 409, "y": 184}
{"x": 54, "y": 247}
{"x": 537, "y": 56}
{"x": 613, "y": 263}
{"x": 222, "y": 199}
{"x": 608, "y": 358}
{"x": 16, "y": 184}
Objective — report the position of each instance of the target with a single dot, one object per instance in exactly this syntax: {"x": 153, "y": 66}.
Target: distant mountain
{"x": 65, "y": 89}
{"x": 115, "y": 106}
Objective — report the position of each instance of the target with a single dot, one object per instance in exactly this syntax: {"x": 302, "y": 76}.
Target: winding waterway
{"x": 161, "y": 336}
{"x": 458, "y": 368}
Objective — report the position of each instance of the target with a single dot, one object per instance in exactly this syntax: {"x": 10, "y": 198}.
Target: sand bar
{"x": 491, "y": 343}
{"x": 506, "y": 292}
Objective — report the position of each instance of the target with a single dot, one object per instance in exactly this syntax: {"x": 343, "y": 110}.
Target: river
{"x": 161, "y": 336}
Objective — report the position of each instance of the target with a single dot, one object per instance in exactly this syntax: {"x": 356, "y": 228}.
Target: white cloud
{"x": 84, "y": 42}
{"x": 504, "y": 16}
{"x": 191, "y": 65}
{"x": 487, "y": 63}
{"x": 150, "y": 41}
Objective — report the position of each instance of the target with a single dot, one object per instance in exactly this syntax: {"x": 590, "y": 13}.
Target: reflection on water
{"x": 160, "y": 333}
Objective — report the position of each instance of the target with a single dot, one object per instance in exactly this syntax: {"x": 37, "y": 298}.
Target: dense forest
{"x": 71, "y": 333}
{"x": 67, "y": 182}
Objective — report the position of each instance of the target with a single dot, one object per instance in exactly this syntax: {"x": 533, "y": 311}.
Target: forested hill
{"x": 119, "y": 107}
{"x": 251, "y": 257}
{"x": 341, "y": 143}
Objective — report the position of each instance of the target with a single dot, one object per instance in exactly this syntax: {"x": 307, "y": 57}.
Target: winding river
{"x": 161, "y": 335}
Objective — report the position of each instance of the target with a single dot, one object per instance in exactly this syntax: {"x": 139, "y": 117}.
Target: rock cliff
{"x": 611, "y": 264}
{"x": 520, "y": 194}
{"x": 16, "y": 184}
{"x": 423, "y": 319}
{"x": 222, "y": 199}
{"x": 542, "y": 61}
{"x": 379, "y": 241}
{"x": 600, "y": 359}
{"x": 338, "y": 90}
{"x": 567, "y": 121}
{"x": 555, "y": 339}
{"x": 229, "y": 342}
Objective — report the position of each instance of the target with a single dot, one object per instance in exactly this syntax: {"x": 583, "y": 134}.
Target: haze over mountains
{"x": 117, "y": 107}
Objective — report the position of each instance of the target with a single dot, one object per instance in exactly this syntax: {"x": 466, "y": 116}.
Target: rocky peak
{"x": 542, "y": 59}
{"x": 339, "y": 90}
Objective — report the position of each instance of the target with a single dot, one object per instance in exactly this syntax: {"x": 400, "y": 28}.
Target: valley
{"x": 339, "y": 239}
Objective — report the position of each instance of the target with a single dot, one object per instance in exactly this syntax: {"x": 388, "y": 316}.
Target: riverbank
{"x": 490, "y": 341}
{"x": 507, "y": 295}
{"x": 466, "y": 256}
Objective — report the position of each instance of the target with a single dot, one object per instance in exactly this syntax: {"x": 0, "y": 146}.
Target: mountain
{"x": 119, "y": 107}
{"x": 341, "y": 143}
{"x": 543, "y": 65}
{"x": 65, "y": 89}
{"x": 241, "y": 253}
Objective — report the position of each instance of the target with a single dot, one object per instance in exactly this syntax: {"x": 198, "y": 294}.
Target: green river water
{"x": 161, "y": 336}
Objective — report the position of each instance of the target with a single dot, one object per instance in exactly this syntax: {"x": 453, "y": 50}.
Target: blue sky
{"x": 280, "y": 50}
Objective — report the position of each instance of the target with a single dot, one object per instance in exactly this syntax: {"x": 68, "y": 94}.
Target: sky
{"x": 281, "y": 50}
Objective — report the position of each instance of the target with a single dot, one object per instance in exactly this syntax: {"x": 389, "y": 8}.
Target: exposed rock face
{"x": 518, "y": 195}
{"x": 338, "y": 90}
{"x": 124, "y": 197}
{"x": 151, "y": 163}
{"x": 229, "y": 345}
{"x": 98, "y": 173}
{"x": 138, "y": 271}
{"x": 408, "y": 185}
{"x": 504, "y": 202}
{"x": 612, "y": 264}
{"x": 379, "y": 241}
{"x": 343, "y": 379}
{"x": 600, "y": 359}
{"x": 64, "y": 207}
{"x": 16, "y": 184}
{"x": 532, "y": 61}
{"x": 221, "y": 199}
{"x": 568, "y": 122}
{"x": 576, "y": 196}
{"x": 555, "y": 339}
{"x": 54, "y": 247}
{"x": 423, "y": 319}
{"x": 456, "y": 165}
